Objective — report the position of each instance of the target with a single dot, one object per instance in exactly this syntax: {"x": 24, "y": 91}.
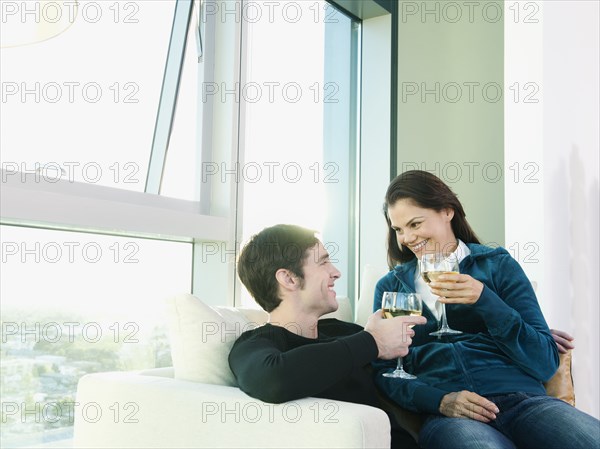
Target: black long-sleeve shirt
{"x": 275, "y": 365}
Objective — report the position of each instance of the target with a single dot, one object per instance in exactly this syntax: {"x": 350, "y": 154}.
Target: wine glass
{"x": 432, "y": 267}
{"x": 401, "y": 304}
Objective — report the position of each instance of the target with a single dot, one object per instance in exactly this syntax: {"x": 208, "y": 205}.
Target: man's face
{"x": 320, "y": 274}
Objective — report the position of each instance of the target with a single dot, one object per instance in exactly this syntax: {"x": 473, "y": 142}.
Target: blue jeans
{"x": 524, "y": 421}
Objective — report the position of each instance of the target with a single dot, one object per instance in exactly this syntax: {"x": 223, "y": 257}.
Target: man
{"x": 295, "y": 355}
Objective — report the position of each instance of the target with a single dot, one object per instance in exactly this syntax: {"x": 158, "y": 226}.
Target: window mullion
{"x": 168, "y": 95}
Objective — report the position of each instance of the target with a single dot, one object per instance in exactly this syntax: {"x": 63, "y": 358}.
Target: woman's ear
{"x": 449, "y": 214}
{"x": 286, "y": 279}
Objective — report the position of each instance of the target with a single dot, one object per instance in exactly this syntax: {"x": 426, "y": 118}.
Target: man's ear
{"x": 286, "y": 279}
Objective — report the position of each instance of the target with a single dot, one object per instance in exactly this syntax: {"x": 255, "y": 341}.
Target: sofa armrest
{"x": 130, "y": 410}
{"x": 167, "y": 371}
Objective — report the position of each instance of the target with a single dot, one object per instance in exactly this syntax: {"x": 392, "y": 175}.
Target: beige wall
{"x": 450, "y": 104}
{"x": 544, "y": 208}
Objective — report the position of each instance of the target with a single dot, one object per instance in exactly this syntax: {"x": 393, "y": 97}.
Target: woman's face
{"x": 422, "y": 230}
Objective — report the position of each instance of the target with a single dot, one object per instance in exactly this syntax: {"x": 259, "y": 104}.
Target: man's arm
{"x": 265, "y": 372}
{"x": 393, "y": 335}
{"x": 563, "y": 340}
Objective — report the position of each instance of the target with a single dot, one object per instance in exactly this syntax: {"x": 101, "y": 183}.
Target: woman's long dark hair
{"x": 429, "y": 192}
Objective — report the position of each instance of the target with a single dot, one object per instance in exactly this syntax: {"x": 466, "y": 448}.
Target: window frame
{"x": 59, "y": 204}
{"x": 28, "y": 200}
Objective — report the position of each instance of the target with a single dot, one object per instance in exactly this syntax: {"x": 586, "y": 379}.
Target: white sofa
{"x": 196, "y": 403}
{"x": 158, "y": 411}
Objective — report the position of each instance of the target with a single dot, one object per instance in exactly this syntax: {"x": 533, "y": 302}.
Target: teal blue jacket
{"x": 505, "y": 347}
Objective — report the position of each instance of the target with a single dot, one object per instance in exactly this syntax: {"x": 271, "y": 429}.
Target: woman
{"x": 482, "y": 388}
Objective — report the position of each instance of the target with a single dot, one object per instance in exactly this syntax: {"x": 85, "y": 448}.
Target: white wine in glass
{"x": 401, "y": 304}
{"x": 432, "y": 266}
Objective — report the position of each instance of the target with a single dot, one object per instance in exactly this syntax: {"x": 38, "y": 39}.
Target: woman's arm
{"x": 506, "y": 302}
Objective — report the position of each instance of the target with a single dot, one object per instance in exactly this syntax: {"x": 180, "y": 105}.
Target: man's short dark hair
{"x": 280, "y": 246}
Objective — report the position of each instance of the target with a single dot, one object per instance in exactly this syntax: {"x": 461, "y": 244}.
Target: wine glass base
{"x": 399, "y": 374}
{"x": 443, "y": 332}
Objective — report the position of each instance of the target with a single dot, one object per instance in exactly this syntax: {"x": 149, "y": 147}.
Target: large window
{"x": 300, "y": 124}
{"x": 78, "y": 117}
{"x": 77, "y": 303}
{"x": 142, "y": 142}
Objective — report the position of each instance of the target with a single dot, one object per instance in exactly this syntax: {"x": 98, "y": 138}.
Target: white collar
{"x": 461, "y": 251}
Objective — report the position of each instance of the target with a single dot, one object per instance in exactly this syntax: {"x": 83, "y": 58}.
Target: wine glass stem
{"x": 444, "y": 320}
{"x": 399, "y": 366}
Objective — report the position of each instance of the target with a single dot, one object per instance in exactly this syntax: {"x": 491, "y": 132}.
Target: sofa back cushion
{"x": 202, "y": 336}
{"x": 369, "y": 277}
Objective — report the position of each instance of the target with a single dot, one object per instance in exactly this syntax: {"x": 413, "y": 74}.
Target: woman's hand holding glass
{"x": 455, "y": 288}
{"x": 433, "y": 267}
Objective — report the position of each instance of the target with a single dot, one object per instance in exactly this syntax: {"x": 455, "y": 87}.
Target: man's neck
{"x": 302, "y": 324}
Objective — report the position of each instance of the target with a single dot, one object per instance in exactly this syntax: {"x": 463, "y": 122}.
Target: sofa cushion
{"x": 369, "y": 278}
{"x": 201, "y": 338}
{"x": 561, "y": 384}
